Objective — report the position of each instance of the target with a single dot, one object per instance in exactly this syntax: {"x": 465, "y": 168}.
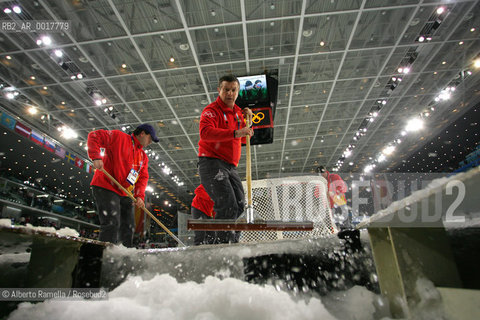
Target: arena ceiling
{"x": 343, "y": 92}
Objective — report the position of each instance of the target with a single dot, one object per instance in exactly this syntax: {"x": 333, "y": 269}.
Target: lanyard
{"x": 238, "y": 120}
{"x": 136, "y": 161}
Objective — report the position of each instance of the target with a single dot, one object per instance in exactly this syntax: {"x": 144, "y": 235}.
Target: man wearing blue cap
{"x": 123, "y": 157}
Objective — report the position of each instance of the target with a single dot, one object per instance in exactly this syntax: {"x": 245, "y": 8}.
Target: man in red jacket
{"x": 222, "y": 128}
{"x": 124, "y": 158}
{"x": 336, "y": 193}
{"x": 202, "y": 208}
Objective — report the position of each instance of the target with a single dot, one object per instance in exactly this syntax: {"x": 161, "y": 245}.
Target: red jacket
{"x": 217, "y": 125}
{"x": 335, "y": 185}
{"x": 120, "y": 151}
{"x": 202, "y": 201}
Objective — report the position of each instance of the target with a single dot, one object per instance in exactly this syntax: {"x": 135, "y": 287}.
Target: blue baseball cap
{"x": 150, "y": 130}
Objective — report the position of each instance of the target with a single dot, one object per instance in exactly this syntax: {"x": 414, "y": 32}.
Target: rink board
{"x": 410, "y": 242}
{"x": 50, "y": 260}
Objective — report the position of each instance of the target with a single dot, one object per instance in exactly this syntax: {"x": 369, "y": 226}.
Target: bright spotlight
{"x": 368, "y": 168}
{"x": 476, "y": 63}
{"x": 414, "y": 124}
{"x": 388, "y": 150}
{"x": 68, "y": 133}
{"x": 46, "y": 40}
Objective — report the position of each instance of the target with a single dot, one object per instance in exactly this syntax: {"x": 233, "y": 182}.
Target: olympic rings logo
{"x": 257, "y": 117}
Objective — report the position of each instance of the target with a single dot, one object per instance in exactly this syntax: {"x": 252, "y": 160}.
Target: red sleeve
{"x": 96, "y": 140}
{"x": 208, "y": 127}
{"x": 142, "y": 181}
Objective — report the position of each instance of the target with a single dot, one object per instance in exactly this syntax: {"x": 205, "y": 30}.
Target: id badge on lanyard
{"x": 132, "y": 177}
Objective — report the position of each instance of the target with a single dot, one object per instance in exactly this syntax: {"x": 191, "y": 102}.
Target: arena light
{"x": 414, "y": 124}
{"x": 45, "y": 40}
{"x": 32, "y": 110}
{"x": 444, "y": 95}
{"x": 388, "y": 150}
{"x": 149, "y": 189}
{"x": 381, "y": 158}
{"x": 166, "y": 170}
{"x": 476, "y": 63}
{"x": 68, "y": 133}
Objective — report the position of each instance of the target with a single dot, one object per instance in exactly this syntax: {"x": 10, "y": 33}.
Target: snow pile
{"x": 6, "y": 223}
{"x": 163, "y": 297}
{"x": 64, "y": 232}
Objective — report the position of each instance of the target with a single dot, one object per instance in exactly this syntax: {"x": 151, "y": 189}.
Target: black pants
{"x": 202, "y": 237}
{"x": 224, "y": 186}
{"x": 115, "y": 213}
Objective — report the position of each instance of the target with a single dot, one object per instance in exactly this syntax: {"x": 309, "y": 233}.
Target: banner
{"x": 7, "y": 121}
{"x": 49, "y": 145}
{"x": 70, "y": 157}
{"x": 88, "y": 167}
{"x": 79, "y": 163}
{"x": 59, "y": 151}
{"x": 36, "y": 137}
{"x": 22, "y": 129}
